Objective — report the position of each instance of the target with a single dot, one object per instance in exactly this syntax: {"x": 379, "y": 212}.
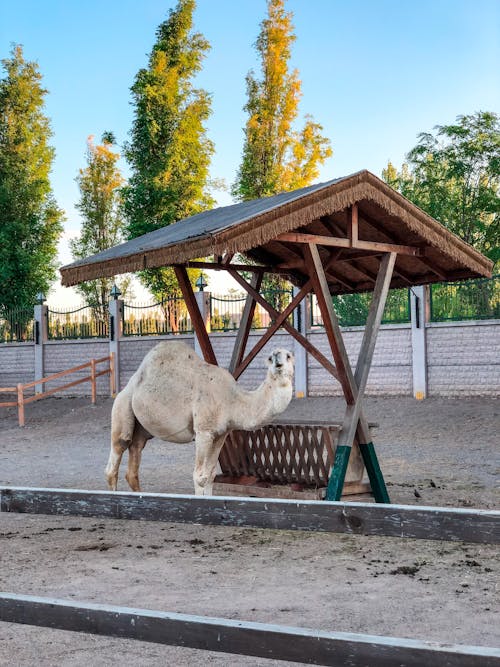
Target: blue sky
{"x": 374, "y": 73}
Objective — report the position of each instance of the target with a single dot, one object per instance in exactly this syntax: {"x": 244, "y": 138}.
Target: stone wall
{"x": 391, "y": 371}
{"x": 462, "y": 359}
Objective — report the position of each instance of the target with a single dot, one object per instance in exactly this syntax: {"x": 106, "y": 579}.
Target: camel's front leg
{"x": 207, "y": 455}
{"x": 115, "y": 457}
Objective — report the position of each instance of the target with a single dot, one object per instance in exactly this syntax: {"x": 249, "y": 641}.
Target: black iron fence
{"x": 469, "y": 300}
{"x": 17, "y": 326}
{"x": 352, "y": 309}
{"x": 169, "y": 316}
{"x": 226, "y": 311}
{"x": 84, "y": 322}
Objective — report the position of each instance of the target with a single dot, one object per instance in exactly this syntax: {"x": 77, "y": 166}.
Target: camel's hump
{"x": 172, "y": 353}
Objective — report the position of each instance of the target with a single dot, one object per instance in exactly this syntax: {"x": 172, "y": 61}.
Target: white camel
{"x": 177, "y": 397}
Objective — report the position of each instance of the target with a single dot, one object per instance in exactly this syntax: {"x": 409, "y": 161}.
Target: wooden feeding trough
{"x": 349, "y": 235}
{"x": 291, "y": 460}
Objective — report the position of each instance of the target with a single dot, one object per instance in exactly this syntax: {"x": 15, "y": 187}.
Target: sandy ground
{"x": 446, "y": 450}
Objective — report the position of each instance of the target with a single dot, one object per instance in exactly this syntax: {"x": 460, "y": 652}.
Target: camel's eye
{"x": 288, "y": 357}
{"x": 270, "y": 359}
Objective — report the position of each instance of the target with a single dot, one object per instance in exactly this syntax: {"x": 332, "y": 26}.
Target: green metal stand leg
{"x": 337, "y": 476}
{"x": 374, "y": 473}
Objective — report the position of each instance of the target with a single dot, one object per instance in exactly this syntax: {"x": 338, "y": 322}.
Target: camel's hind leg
{"x": 207, "y": 454}
{"x": 122, "y": 430}
{"x": 139, "y": 440}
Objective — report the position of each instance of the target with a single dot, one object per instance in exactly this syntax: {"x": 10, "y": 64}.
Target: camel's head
{"x": 280, "y": 363}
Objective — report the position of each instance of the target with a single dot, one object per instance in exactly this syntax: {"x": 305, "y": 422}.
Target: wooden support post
{"x": 245, "y": 325}
{"x": 93, "y": 382}
{"x": 20, "y": 404}
{"x": 365, "y": 357}
{"x": 353, "y": 386}
{"x": 195, "y": 315}
{"x": 352, "y": 226}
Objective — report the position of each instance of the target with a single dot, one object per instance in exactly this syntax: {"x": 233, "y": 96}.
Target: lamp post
{"x": 115, "y": 293}
{"x": 201, "y": 283}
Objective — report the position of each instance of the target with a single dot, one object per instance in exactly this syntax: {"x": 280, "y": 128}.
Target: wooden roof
{"x": 272, "y": 231}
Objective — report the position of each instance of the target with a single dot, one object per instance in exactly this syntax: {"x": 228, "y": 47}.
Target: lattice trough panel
{"x": 300, "y": 455}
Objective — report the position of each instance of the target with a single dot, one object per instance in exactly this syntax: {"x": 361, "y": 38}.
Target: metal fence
{"x": 84, "y": 322}
{"x": 468, "y": 300}
{"x": 17, "y": 326}
{"x": 226, "y": 311}
{"x": 352, "y": 309}
{"x": 169, "y": 316}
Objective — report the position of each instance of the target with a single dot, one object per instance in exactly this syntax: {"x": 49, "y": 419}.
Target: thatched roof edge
{"x": 300, "y": 211}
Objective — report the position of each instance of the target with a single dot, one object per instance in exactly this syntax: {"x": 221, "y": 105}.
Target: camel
{"x": 176, "y": 396}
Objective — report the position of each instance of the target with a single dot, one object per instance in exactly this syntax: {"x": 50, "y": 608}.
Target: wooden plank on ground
{"x": 312, "y": 647}
{"x": 430, "y": 523}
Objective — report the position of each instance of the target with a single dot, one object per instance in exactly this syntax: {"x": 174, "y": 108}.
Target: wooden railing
{"x": 20, "y": 388}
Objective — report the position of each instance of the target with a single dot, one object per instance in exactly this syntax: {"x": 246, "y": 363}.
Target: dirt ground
{"x": 434, "y": 452}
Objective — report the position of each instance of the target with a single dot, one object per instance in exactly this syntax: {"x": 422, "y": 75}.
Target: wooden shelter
{"x": 351, "y": 234}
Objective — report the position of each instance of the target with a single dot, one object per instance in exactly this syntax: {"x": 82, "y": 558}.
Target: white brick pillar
{"x": 300, "y": 321}
{"x": 203, "y": 301}
{"x": 41, "y": 335}
{"x": 116, "y": 334}
{"x": 419, "y": 310}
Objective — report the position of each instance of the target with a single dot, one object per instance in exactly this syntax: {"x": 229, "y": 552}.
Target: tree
{"x": 30, "y": 220}
{"x": 100, "y": 184}
{"x": 454, "y": 175}
{"x": 169, "y": 152}
{"x": 276, "y": 157}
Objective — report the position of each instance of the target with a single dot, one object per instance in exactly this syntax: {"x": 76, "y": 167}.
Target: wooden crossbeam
{"x": 402, "y": 521}
{"x": 308, "y": 646}
{"x": 222, "y": 266}
{"x": 295, "y": 237}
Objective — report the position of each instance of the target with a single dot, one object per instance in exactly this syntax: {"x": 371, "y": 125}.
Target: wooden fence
{"x": 304, "y": 645}
{"x": 20, "y": 388}
{"x": 407, "y": 521}
{"x": 312, "y": 647}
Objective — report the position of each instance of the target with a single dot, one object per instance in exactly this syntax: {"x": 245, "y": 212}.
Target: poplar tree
{"x": 100, "y": 184}
{"x": 276, "y": 156}
{"x": 30, "y": 220}
{"x": 169, "y": 153}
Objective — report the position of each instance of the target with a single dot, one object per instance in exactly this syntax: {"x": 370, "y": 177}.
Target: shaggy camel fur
{"x": 177, "y": 397}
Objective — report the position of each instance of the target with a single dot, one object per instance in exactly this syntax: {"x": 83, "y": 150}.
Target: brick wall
{"x": 16, "y": 363}
{"x": 62, "y": 355}
{"x": 391, "y": 371}
{"x": 463, "y": 358}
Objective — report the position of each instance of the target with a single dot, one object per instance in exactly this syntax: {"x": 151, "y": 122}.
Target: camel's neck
{"x": 262, "y": 405}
